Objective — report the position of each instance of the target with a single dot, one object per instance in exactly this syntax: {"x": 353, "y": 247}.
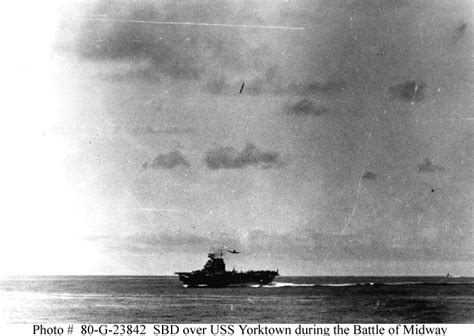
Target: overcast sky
{"x": 337, "y": 140}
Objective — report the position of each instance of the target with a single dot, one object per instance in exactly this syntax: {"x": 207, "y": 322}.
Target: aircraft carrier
{"x": 214, "y": 274}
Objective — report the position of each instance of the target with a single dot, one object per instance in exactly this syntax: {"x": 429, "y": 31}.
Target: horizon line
{"x": 293, "y": 275}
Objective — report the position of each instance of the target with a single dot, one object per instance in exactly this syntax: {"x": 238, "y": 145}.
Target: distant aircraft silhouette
{"x": 234, "y": 251}
{"x": 242, "y": 89}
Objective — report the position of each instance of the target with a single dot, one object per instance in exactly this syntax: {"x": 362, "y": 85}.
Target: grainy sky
{"x": 348, "y": 151}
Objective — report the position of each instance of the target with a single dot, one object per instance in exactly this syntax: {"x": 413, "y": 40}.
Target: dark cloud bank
{"x": 219, "y": 58}
{"x": 182, "y": 52}
{"x": 221, "y": 158}
{"x": 429, "y": 167}
{"x": 306, "y": 107}
{"x": 370, "y": 176}
{"x": 230, "y": 158}
{"x": 167, "y": 161}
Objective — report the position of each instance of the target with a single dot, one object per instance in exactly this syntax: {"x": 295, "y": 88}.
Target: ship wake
{"x": 286, "y": 284}
{"x": 276, "y": 284}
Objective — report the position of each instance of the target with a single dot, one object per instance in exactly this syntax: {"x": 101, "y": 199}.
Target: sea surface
{"x": 162, "y": 299}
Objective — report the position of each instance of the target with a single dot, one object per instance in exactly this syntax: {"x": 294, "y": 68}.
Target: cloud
{"x": 369, "y": 176}
{"x": 410, "y": 91}
{"x": 228, "y": 157}
{"x": 305, "y": 107}
{"x": 167, "y": 161}
{"x": 428, "y": 167}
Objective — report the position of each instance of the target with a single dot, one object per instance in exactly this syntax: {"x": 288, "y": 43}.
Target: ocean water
{"x": 159, "y": 299}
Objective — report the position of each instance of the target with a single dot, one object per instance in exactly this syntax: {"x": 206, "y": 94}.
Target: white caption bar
{"x": 89, "y": 329}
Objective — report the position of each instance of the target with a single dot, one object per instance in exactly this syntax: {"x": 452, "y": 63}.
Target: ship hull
{"x": 227, "y": 279}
